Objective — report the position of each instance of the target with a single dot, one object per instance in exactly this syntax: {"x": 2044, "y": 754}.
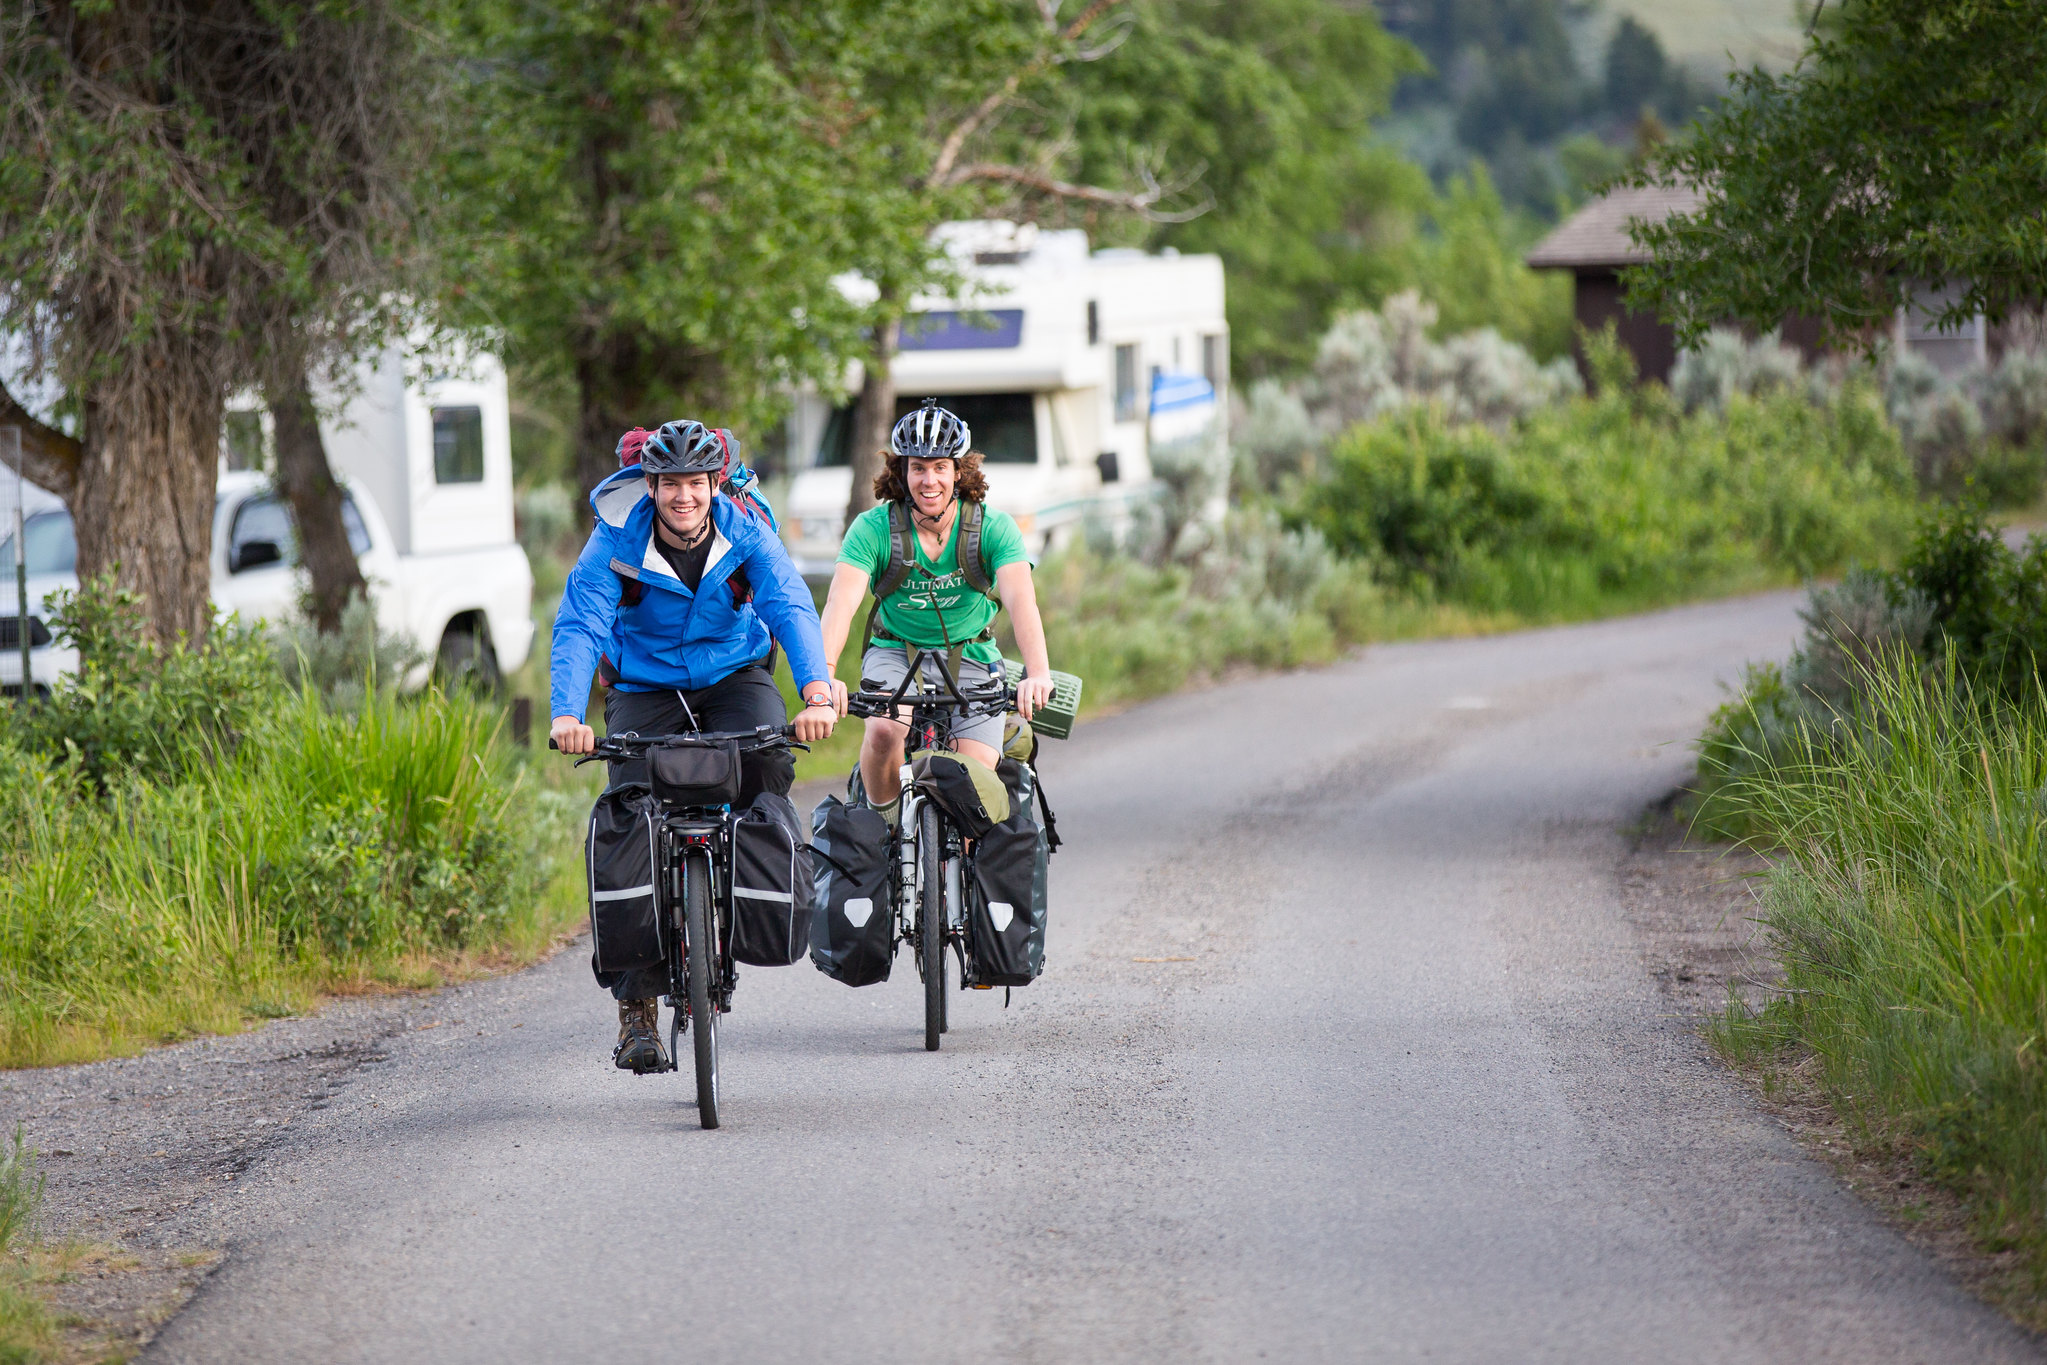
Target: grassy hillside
{"x": 1705, "y": 32}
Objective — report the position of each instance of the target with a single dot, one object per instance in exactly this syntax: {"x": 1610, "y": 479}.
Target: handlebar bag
{"x": 695, "y": 774}
{"x": 852, "y": 925}
{"x": 1006, "y": 885}
{"x": 619, "y": 854}
{"x": 972, "y": 795}
{"x": 771, "y": 884}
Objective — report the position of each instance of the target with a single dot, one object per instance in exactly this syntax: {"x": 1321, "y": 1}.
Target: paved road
{"x": 1413, "y": 1099}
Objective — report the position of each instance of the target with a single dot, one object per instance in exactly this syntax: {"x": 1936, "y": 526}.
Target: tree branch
{"x": 949, "y": 150}
{"x": 48, "y": 456}
{"x": 1144, "y": 202}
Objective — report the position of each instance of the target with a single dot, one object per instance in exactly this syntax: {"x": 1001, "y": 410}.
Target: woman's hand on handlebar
{"x": 571, "y": 736}
{"x": 1031, "y": 694}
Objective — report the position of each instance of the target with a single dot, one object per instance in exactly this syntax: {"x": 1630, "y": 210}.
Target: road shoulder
{"x": 1694, "y": 906}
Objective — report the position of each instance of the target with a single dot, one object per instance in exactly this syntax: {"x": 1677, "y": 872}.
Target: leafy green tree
{"x": 183, "y": 199}
{"x": 1272, "y": 100}
{"x": 664, "y": 200}
{"x": 1907, "y": 149}
{"x": 1635, "y": 67}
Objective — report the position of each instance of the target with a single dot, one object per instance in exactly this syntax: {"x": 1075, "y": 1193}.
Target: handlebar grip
{"x": 552, "y": 745}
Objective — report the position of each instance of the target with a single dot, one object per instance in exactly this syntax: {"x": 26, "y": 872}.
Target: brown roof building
{"x": 1593, "y": 244}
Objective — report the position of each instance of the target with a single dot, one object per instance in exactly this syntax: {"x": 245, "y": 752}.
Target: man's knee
{"x": 884, "y": 738}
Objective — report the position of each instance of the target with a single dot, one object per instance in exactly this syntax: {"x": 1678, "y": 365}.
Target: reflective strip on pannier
{"x": 770, "y": 885}
{"x": 619, "y": 857}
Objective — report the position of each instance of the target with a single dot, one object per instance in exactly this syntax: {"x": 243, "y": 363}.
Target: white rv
{"x": 425, "y": 463}
{"x": 1052, "y": 359}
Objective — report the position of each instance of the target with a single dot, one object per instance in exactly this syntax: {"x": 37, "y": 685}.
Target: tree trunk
{"x": 308, "y": 485}
{"x": 875, "y": 415}
{"x": 611, "y": 393}
{"x": 143, "y": 500}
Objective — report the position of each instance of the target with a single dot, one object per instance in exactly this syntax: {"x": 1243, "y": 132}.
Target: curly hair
{"x": 970, "y": 483}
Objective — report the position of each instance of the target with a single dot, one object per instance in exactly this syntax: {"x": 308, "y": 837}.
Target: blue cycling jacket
{"x": 673, "y": 639}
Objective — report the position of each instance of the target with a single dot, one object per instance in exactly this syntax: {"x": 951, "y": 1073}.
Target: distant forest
{"x": 1552, "y": 95}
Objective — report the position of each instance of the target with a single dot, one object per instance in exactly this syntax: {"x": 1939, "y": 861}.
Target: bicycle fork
{"x": 910, "y": 869}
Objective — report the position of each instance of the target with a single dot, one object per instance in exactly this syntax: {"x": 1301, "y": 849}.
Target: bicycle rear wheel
{"x": 931, "y": 924}
{"x": 700, "y": 964}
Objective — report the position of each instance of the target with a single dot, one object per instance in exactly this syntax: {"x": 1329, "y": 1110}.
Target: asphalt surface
{"x": 1414, "y": 1096}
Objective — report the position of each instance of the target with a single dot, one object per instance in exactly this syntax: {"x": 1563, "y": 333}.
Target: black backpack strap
{"x": 902, "y": 552}
{"x": 1049, "y": 820}
{"x": 972, "y": 564}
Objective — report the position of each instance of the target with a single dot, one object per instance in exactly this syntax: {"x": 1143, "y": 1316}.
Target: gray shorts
{"x": 882, "y": 667}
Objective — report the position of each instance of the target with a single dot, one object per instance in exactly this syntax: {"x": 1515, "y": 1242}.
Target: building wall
{"x": 1650, "y": 341}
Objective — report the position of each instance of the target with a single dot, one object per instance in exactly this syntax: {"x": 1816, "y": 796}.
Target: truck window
{"x": 52, "y": 545}
{"x": 458, "y": 445}
{"x": 1005, "y": 427}
{"x": 1127, "y": 408}
{"x": 265, "y": 517}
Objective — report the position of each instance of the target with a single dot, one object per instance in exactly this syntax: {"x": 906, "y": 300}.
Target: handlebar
{"x": 987, "y": 701}
{"x": 630, "y": 745}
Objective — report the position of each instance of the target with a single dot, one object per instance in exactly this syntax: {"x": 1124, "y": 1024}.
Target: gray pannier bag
{"x": 852, "y": 925}
{"x": 619, "y": 855}
{"x": 1007, "y": 882}
{"x": 771, "y": 884}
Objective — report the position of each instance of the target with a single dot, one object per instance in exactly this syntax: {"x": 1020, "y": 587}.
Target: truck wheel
{"x": 467, "y": 660}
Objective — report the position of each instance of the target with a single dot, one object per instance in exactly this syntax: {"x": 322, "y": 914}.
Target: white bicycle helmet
{"x": 931, "y": 433}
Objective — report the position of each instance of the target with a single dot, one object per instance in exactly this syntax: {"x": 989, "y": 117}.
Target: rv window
{"x": 52, "y": 545}
{"x": 1214, "y": 362}
{"x": 458, "y": 445}
{"x": 1127, "y": 409}
{"x": 1004, "y": 425}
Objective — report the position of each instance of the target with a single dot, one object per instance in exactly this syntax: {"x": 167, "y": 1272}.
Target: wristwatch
{"x": 825, "y": 700}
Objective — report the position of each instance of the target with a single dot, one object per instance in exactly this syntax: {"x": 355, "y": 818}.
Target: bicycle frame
{"x": 684, "y": 829}
{"x": 933, "y": 714}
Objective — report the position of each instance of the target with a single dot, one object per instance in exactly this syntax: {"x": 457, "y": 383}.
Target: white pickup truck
{"x": 446, "y": 572}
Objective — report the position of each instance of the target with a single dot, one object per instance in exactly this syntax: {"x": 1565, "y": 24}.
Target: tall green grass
{"x": 327, "y": 850}
{"x": 1909, "y": 907}
{"x": 27, "y": 1328}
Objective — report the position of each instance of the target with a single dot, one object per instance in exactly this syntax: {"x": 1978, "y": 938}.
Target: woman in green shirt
{"x": 928, "y": 475}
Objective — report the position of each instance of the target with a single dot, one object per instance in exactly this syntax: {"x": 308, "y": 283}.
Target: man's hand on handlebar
{"x": 1031, "y": 694}
{"x": 571, "y": 736}
{"x": 814, "y": 723}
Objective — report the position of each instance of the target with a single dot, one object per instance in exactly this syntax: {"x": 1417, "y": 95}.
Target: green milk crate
{"x": 1055, "y": 718}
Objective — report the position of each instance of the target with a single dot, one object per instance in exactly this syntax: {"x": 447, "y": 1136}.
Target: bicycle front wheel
{"x": 931, "y": 920}
{"x": 700, "y": 965}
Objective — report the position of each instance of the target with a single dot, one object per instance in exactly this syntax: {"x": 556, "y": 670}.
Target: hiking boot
{"x": 639, "y": 1038}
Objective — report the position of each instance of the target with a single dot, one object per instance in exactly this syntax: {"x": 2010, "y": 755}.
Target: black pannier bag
{"x": 963, "y": 788}
{"x": 1006, "y": 887}
{"x": 695, "y": 774}
{"x": 852, "y": 929}
{"x": 771, "y": 884}
{"x": 619, "y": 855}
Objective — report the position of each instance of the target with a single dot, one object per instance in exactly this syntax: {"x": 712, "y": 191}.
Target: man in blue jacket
{"x": 676, "y": 596}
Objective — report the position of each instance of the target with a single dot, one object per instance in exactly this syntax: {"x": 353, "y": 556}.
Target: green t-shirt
{"x": 935, "y": 604}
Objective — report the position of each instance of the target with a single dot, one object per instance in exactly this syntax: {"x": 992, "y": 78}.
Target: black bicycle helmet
{"x": 931, "y": 433}
{"x": 686, "y": 447}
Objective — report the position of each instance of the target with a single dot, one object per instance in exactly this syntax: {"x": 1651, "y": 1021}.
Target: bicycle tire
{"x": 931, "y": 925}
{"x": 700, "y": 965}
